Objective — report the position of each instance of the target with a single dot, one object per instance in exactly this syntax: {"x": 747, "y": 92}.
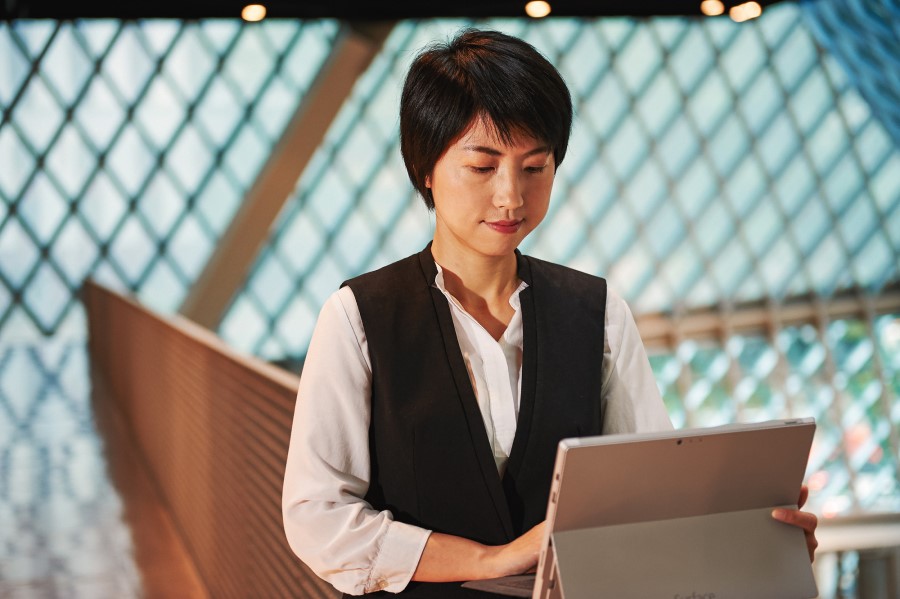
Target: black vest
{"x": 431, "y": 460}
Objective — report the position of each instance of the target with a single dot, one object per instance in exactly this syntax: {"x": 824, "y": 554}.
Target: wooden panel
{"x": 213, "y": 427}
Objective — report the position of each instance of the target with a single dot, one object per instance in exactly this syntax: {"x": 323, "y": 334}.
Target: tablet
{"x": 679, "y": 514}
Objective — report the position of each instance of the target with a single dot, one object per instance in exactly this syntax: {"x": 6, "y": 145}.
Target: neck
{"x": 477, "y": 279}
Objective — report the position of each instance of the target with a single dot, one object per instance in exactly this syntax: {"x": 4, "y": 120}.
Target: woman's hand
{"x": 447, "y": 558}
{"x": 805, "y": 520}
{"x": 521, "y": 556}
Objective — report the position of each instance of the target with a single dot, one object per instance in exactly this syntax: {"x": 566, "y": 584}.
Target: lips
{"x": 504, "y": 226}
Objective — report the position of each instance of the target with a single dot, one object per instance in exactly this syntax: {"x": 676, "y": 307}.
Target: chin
{"x": 499, "y": 249}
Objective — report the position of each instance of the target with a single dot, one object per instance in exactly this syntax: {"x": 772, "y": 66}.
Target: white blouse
{"x": 327, "y": 522}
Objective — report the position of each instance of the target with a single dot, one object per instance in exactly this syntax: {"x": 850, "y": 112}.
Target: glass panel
{"x": 70, "y": 162}
{"x": 37, "y": 116}
{"x": 18, "y": 252}
{"x": 46, "y": 296}
{"x": 63, "y": 525}
{"x": 74, "y": 252}
{"x": 66, "y": 66}
{"x": 42, "y": 209}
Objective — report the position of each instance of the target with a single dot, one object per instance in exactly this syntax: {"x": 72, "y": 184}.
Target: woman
{"x": 436, "y": 389}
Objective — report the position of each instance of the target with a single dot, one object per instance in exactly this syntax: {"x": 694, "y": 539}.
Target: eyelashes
{"x": 534, "y": 170}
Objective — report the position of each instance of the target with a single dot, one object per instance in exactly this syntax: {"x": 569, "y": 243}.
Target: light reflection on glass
{"x": 62, "y": 532}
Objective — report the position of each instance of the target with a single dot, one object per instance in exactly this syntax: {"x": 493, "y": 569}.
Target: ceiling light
{"x": 712, "y": 8}
{"x": 745, "y": 12}
{"x": 253, "y": 13}
{"x": 537, "y": 9}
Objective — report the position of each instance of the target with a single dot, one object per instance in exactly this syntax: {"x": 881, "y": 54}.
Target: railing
{"x": 663, "y": 331}
{"x": 213, "y": 427}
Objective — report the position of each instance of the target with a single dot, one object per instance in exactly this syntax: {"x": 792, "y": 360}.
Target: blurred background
{"x": 735, "y": 176}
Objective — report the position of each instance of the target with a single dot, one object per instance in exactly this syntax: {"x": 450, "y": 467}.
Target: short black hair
{"x": 479, "y": 74}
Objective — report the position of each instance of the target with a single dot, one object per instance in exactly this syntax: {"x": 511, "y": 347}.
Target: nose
{"x": 508, "y": 194}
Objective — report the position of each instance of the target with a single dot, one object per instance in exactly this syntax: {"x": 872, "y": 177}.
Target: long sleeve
{"x": 632, "y": 403}
{"x": 328, "y": 523}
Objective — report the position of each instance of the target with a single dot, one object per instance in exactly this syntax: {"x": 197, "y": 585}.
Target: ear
{"x": 428, "y": 181}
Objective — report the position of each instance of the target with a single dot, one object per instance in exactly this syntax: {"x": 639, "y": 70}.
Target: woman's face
{"x": 488, "y": 196}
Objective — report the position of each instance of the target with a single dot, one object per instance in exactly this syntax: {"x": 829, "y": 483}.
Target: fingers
{"x": 804, "y": 494}
{"x": 803, "y": 520}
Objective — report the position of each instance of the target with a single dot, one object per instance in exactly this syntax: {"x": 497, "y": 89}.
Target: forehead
{"x": 483, "y": 133}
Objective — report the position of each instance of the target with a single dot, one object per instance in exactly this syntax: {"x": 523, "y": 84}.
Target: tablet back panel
{"x": 661, "y": 515}
{"x": 738, "y": 555}
{"x": 618, "y": 479}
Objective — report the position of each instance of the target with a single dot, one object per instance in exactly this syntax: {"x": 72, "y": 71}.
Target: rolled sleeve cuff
{"x": 398, "y": 557}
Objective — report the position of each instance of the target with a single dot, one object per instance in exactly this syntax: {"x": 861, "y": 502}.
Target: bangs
{"x": 501, "y": 80}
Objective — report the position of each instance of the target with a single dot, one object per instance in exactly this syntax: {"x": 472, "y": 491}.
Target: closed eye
{"x": 482, "y": 169}
{"x": 535, "y": 169}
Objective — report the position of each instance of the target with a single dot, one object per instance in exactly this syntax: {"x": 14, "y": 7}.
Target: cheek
{"x": 467, "y": 188}
{"x": 540, "y": 193}
{"x": 539, "y": 213}
{"x": 445, "y": 182}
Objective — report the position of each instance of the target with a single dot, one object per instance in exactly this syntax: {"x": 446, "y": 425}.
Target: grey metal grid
{"x": 126, "y": 149}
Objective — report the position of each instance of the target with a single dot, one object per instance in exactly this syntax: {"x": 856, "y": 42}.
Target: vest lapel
{"x": 529, "y": 370}
{"x": 477, "y": 432}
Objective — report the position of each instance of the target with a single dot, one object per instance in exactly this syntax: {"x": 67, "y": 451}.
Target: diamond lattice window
{"x": 127, "y": 149}
{"x": 711, "y": 163}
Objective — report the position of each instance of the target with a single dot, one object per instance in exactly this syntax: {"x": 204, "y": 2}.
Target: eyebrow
{"x": 495, "y": 152}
